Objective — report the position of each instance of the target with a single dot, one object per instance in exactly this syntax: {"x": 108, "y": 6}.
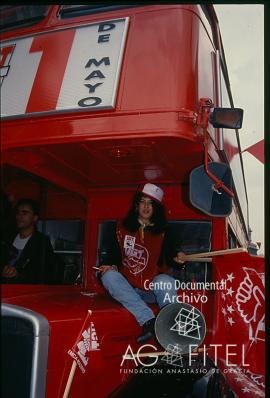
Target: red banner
{"x": 240, "y": 322}
{"x": 257, "y": 150}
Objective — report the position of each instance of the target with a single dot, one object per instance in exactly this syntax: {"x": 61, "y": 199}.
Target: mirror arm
{"x": 219, "y": 184}
{"x": 202, "y": 121}
{"x": 205, "y": 106}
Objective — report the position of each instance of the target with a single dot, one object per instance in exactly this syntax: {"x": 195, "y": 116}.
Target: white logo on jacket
{"x": 136, "y": 256}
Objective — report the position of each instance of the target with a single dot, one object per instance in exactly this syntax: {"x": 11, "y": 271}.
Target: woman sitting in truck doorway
{"x": 141, "y": 277}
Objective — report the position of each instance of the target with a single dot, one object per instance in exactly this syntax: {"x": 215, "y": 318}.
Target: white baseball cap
{"x": 153, "y": 191}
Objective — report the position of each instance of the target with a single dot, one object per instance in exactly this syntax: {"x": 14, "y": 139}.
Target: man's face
{"x": 145, "y": 209}
{"x": 25, "y": 217}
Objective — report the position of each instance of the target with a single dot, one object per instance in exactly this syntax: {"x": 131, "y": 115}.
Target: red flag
{"x": 240, "y": 320}
{"x": 86, "y": 341}
{"x": 257, "y": 150}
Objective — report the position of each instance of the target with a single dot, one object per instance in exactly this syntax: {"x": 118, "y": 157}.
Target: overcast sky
{"x": 242, "y": 30}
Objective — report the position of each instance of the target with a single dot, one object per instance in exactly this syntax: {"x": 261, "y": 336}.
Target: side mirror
{"x": 202, "y": 192}
{"x": 229, "y": 118}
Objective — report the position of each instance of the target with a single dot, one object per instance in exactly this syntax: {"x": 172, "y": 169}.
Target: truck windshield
{"x": 13, "y": 17}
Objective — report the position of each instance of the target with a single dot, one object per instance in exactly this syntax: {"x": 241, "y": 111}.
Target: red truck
{"x": 97, "y": 100}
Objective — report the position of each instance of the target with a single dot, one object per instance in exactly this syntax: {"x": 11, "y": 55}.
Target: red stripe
{"x": 55, "y": 49}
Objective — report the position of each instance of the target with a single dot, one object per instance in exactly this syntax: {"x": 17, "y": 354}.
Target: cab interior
{"x": 82, "y": 229}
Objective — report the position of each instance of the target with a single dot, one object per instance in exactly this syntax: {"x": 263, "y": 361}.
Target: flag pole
{"x": 216, "y": 253}
{"x": 72, "y": 372}
{"x": 157, "y": 354}
{"x": 70, "y": 379}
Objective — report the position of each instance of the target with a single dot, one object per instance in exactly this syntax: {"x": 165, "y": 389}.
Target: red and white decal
{"x": 247, "y": 299}
{"x": 86, "y": 342}
{"x": 135, "y": 256}
{"x": 65, "y": 70}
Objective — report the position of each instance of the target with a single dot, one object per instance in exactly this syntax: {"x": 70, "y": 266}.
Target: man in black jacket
{"x": 31, "y": 258}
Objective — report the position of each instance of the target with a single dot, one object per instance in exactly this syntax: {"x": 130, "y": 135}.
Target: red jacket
{"x": 140, "y": 258}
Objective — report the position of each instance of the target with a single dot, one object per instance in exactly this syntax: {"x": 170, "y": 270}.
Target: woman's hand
{"x": 105, "y": 268}
{"x": 180, "y": 258}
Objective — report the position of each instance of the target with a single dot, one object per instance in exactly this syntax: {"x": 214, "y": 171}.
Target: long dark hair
{"x": 158, "y": 218}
